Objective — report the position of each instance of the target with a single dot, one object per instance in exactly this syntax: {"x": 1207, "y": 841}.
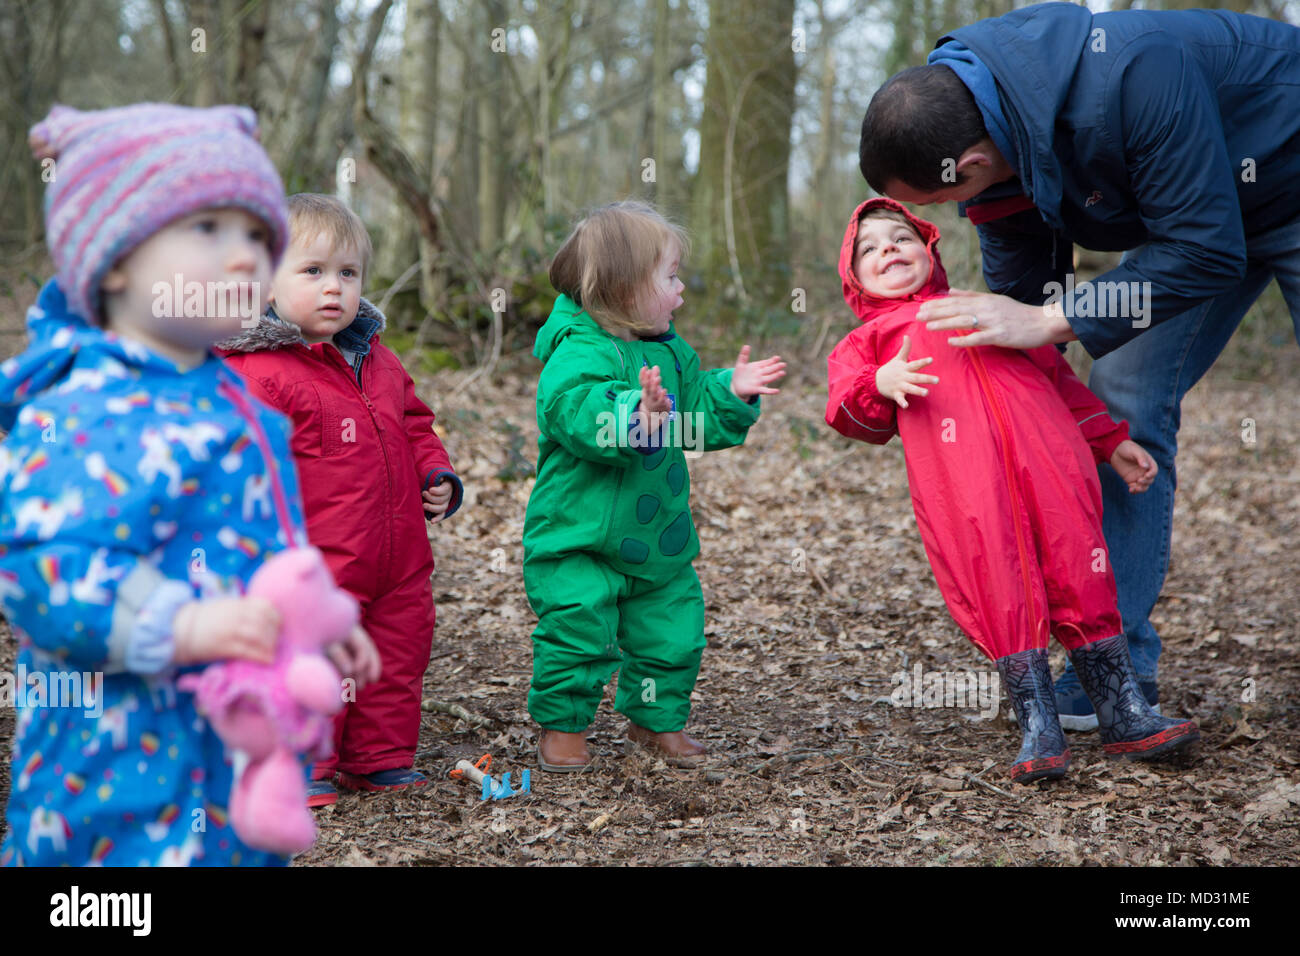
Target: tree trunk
{"x": 418, "y": 132}
{"x": 664, "y": 145}
{"x": 385, "y": 151}
{"x": 491, "y": 104}
{"x": 252, "y": 20}
{"x": 169, "y": 44}
{"x": 206, "y": 61}
{"x": 741, "y": 220}
{"x": 302, "y": 164}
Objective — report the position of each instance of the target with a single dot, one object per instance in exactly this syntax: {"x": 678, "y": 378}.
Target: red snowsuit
{"x": 365, "y": 451}
{"x": 1001, "y": 462}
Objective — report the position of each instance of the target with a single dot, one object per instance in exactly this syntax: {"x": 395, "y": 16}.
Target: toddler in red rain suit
{"x": 1001, "y": 460}
{"x": 371, "y": 469}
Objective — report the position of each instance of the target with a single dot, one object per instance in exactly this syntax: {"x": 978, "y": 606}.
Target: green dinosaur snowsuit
{"x": 608, "y": 537}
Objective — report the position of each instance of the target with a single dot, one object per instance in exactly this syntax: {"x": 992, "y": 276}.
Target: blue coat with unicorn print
{"x": 129, "y": 487}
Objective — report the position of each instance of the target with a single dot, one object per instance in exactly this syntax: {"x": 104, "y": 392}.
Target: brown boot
{"x": 674, "y": 746}
{"x": 560, "y": 752}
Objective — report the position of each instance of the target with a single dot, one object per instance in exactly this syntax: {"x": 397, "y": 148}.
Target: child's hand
{"x": 221, "y": 628}
{"x": 898, "y": 376}
{"x": 436, "y": 501}
{"x": 356, "y": 656}
{"x": 654, "y": 399}
{"x": 753, "y": 378}
{"x": 1135, "y": 466}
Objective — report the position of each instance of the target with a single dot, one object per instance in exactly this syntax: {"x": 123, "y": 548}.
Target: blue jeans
{"x": 1144, "y": 381}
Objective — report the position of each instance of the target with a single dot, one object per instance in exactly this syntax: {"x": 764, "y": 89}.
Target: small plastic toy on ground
{"x": 478, "y": 772}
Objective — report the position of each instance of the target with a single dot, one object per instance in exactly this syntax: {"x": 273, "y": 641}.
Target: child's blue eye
{"x": 206, "y": 225}
{"x": 348, "y": 273}
{"x": 312, "y": 270}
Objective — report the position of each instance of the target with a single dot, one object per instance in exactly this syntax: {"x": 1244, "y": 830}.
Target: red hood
{"x": 867, "y": 306}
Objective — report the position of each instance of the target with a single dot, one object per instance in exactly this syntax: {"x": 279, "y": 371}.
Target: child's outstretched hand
{"x": 1135, "y": 466}
{"x": 220, "y": 628}
{"x": 436, "y": 500}
{"x": 899, "y": 377}
{"x": 753, "y": 378}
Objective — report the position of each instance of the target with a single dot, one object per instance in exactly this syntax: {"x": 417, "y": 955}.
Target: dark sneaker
{"x": 321, "y": 793}
{"x": 1075, "y": 708}
{"x": 396, "y": 779}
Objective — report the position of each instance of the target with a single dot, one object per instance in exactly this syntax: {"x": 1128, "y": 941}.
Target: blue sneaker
{"x": 321, "y": 793}
{"x": 1075, "y": 709}
{"x": 396, "y": 779}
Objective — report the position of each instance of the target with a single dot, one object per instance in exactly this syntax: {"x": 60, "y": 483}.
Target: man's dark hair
{"x": 919, "y": 118}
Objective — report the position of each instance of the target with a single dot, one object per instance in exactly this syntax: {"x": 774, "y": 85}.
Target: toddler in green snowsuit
{"x": 608, "y": 537}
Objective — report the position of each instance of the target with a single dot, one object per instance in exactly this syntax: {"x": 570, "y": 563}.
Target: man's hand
{"x": 1134, "y": 465}
{"x": 753, "y": 378}
{"x": 996, "y": 320}
{"x": 899, "y": 376}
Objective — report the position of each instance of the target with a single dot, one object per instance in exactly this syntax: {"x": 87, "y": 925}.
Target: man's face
{"x": 978, "y": 168}
{"x": 957, "y": 192}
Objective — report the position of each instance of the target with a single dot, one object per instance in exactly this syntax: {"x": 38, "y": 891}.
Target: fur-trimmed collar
{"x": 273, "y": 332}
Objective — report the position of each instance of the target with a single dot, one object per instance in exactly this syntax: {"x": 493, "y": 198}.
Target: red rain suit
{"x": 1001, "y": 462}
{"x": 365, "y": 449}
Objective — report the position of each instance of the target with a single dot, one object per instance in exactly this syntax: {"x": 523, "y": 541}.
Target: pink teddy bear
{"x": 271, "y": 712}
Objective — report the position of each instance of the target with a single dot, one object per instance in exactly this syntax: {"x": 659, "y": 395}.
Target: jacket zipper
{"x": 1013, "y": 487}
{"x": 379, "y": 430}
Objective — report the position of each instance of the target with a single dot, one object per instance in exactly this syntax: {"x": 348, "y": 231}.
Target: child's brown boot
{"x": 561, "y": 752}
{"x": 674, "y": 746}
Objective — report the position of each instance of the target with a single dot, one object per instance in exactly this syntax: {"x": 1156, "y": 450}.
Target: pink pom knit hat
{"x": 120, "y": 175}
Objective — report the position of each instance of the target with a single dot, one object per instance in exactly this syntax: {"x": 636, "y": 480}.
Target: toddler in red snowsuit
{"x": 1001, "y": 460}
{"x": 371, "y": 470}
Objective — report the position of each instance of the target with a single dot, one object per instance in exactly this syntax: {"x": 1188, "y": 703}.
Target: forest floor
{"x": 818, "y": 595}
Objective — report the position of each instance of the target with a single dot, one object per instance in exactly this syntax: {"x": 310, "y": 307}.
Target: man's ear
{"x": 974, "y": 156}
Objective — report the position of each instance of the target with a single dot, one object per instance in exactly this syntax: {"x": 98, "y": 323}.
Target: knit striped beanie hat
{"x": 120, "y": 175}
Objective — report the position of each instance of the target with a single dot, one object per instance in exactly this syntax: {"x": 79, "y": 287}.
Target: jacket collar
{"x": 273, "y": 332}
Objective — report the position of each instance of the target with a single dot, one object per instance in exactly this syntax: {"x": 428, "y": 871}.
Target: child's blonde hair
{"x": 610, "y": 257}
{"x": 314, "y": 214}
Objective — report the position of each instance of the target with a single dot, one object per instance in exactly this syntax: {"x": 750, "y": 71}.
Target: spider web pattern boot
{"x": 1028, "y": 682}
{"x": 1128, "y": 725}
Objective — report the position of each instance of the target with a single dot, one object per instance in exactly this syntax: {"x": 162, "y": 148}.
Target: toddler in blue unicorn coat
{"x": 141, "y": 486}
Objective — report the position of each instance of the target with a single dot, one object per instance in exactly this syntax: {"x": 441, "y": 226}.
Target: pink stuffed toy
{"x": 272, "y": 712}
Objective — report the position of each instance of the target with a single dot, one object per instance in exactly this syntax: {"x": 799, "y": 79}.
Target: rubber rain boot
{"x": 1129, "y": 726}
{"x": 1028, "y": 682}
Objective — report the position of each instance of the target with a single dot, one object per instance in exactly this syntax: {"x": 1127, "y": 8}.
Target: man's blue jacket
{"x": 1179, "y": 130}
